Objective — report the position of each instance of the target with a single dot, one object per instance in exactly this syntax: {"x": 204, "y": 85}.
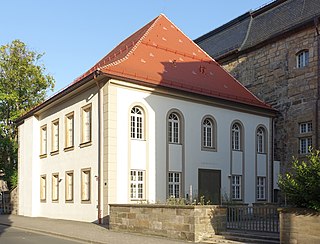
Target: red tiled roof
{"x": 160, "y": 54}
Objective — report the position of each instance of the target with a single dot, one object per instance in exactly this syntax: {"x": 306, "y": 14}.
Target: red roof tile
{"x": 160, "y": 54}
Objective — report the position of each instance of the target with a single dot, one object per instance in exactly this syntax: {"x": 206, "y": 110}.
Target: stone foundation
{"x": 192, "y": 223}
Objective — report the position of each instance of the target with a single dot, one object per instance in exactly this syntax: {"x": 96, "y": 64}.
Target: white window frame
{"x": 174, "y": 184}
{"x": 174, "y": 128}
{"x": 55, "y": 187}
{"x": 43, "y": 140}
{"x": 302, "y": 58}
{"x": 261, "y": 188}
{"x": 85, "y": 185}
{"x": 69, "y": 125}
{"x": 69, "y": 186}
{"x": 304, "y": 144}
{"x": 55, "y": 136}
{"x": 236, "y": 187}
{"x": 236, "y": 137}
{"x": 261, "y": 140}
{"x": 305, "y": 127}
{"x": 208, "y": 129}
{"x": 86, "y": 124}
{"x": 137, "y": 185}
{"x": 43, "y": 188}
{"x": 137, "y": 123}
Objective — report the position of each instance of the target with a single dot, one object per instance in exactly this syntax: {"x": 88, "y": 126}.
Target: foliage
{"x": 182, "y": 201}
{"x": 301, "y": 185}
{"x": 23, "y": 85}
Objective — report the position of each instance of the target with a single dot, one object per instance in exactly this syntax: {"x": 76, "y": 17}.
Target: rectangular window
{"x": 236, "y": 187}
{"x": 43, "y": 188}
{"x": 55, "y": 136}
{"x": 69, "y": 125}
{"x": 305, "y": 143}
{"x": 305, "y": 127}
{"x": 55, "y": 187}
{"x": 86, "y": 124}
{"x": 43, "y": 139}
{"x": 261, "y": 188}
{"x": 303, "y": 59}
{"x": 174, "y": 184}
{"x": 85, "y": 184}
{"x": 136, "y": 184}
{"x": 69, "y": 186}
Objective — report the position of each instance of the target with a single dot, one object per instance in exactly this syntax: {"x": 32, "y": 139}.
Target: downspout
{"x": 316, "y": 23}
{"x": 95, "y": 76}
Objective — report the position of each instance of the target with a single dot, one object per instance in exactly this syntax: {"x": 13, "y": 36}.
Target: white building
{"x": 156, "y": 117}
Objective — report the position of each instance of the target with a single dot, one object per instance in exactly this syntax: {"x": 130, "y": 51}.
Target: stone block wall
{"x": 192, "y": 223}
{"x": 299, "y": 226}
{"x": 14, "y": 201}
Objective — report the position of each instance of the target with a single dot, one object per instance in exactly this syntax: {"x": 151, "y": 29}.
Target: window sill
{"x": 85, "y": 201}
{"x": 67, "y": 149}
{"x": 54, "y": 153}
{"x": 138, "y": 200}
{"x": 55, "y": 201}
{"x": 69, "y": 201}
{"x": 43, "y": 201}
{"x": 43, "y": 155}
{"x": 236, "y": 150}
{"x": 209, "y": 149}
{"x": 174, "y": 143}
{"x": 262, "y": 153}
{"x": 85, "y": 144}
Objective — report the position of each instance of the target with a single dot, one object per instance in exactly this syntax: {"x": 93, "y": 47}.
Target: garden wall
{"x": 192, "y": 223}
{"x": 299, "y": 226}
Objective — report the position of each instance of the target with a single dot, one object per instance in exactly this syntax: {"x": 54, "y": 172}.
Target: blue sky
{"x": 75, "y": 34}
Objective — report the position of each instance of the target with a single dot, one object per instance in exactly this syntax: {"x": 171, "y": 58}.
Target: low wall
{"x": 192, "y": 223}
{"x": 299, "y": 226}
{"x": 14, "y": 201}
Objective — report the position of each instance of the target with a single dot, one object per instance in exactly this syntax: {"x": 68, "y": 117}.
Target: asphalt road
{"x": 11, "y": 235}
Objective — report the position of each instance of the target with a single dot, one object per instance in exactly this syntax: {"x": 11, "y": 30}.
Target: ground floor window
{"x": 55, "y": 187}
{"x": 69, "y": 186}
{"x": 236, "y": 187}
{"x": 43, "y": 188}
{"x": 137, "y": 184}
{"x": 174, "y": 180}
{"x": 305, "y": 143}
{"x": 261, "y": 188}
{"x": 85, "y": 184}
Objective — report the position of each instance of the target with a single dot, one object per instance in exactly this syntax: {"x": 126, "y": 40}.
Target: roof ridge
{"x": 135, "y": 46}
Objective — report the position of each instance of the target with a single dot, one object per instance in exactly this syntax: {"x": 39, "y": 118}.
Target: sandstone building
{"x": 274, "y": 52}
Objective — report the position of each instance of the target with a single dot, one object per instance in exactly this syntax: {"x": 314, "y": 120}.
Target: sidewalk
{"x": 81, "y": 231}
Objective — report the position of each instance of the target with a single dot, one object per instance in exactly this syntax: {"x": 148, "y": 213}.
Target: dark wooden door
{"x": 209, "y": 183}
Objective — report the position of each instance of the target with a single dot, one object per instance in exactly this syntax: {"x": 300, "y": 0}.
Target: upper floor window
{"x": 69, "y": 124}
{"x": 261, "y": 140}
{"x": 55, "y": 136}
{"x": 236, "y": 137}
{"x": 305, "y": 127}
{"x": 207, "y": 126}
{"x": 86, "y": 124}
{"x": 174, "y": 128}
{"x": 137, "y": 123}
{"x": 302, "y": 58}
{"x": 43, "y": 140}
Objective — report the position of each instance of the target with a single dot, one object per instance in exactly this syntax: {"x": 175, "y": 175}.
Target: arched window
{"x": 236, "y": 137}
{"x": 260, "y": 140}
{"x": 302, "y": 58}
{"x": 207, "y": 126}
{"x": 174, "y": 128}
{"x": 137, "y": 118}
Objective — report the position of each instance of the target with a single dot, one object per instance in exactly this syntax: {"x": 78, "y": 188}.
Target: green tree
{"x": 23, "y": 85}
{"x": 301, "y": 185}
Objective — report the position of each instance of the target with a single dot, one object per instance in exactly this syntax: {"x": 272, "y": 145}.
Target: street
{"x": 11, "y": 235}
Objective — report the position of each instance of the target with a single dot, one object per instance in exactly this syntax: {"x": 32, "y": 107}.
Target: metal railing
{"x": 262, "y": 218}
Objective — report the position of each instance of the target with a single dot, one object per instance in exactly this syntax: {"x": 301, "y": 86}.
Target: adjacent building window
{"x": 236, "y": 137}
{"x": 55, "y": 187}
{"x": 261, "y": 140}
{"x": 174, "y": 128}
{"x": 137, "y": 119}
{"x": 302, "y": 58}
{"x": 69, "y": 186}
{"x": 55, "y": 136}
{"x": 305, "y": 140}
{"x": 261, "y": 188}
{"x": 236, "y": 187}
{"x": 43, "y": 139}
{"x": 136, "y": 184}
{"x": 85, "y": 184}
{"x": 174, "y": 180}
{"x": 305, "y": 143}
{"x": 43, "y": 188}
{"x": 69, "y": 125}
{"x": 86, "y": 124}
